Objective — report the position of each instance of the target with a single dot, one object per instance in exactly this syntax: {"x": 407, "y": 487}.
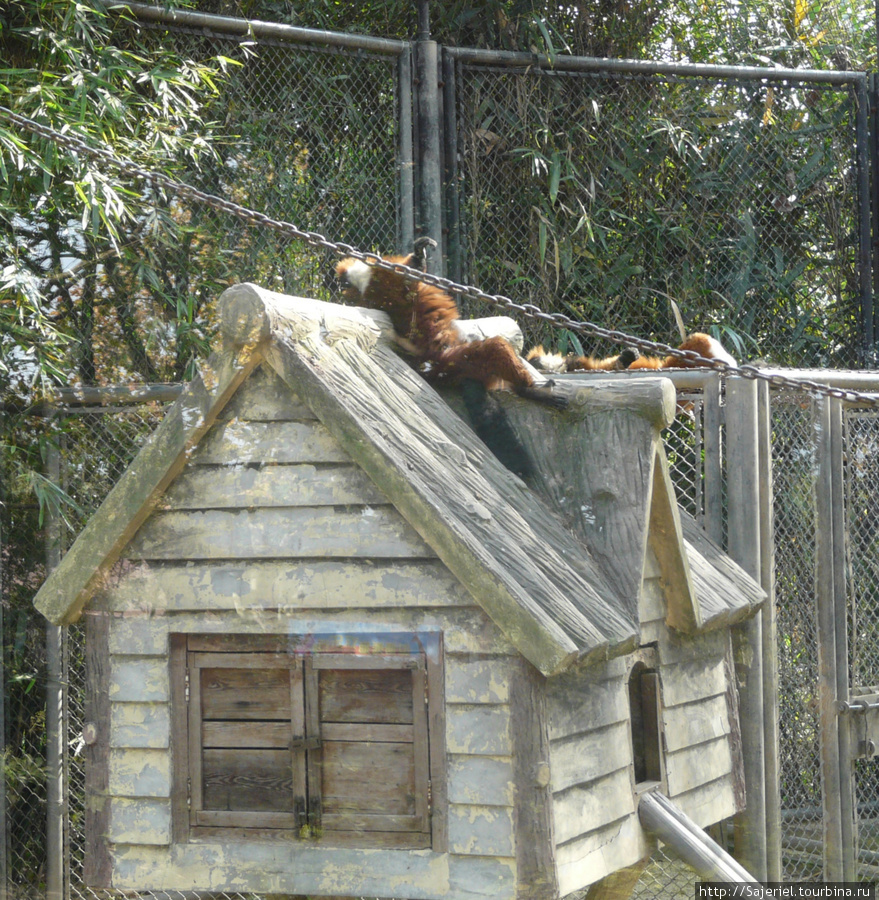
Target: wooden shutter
{"x": 247, "y": 740}
{"x": 374, "y": 763}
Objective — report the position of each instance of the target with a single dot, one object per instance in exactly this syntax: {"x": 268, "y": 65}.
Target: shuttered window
{"x": 326, "y": 746}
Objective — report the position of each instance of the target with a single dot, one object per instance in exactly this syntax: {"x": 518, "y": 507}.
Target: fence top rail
{"x": 561, "y": 63}
{"x": 258, "y": 29}
{"x": 683, "y": 379}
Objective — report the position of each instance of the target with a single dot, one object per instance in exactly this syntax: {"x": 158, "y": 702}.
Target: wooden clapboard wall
{"x": 700, "y": 711}
{"x": 219, "y": 555}
{"x": 594, "y": 807}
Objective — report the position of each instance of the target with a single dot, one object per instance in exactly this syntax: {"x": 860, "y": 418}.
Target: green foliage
{"x": 730, "y": 198}
{"x": 66, "y": 228}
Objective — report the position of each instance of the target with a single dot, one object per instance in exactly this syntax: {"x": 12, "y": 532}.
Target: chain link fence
{"x": 794, "y": 465}
{"x": 608, "y": 195}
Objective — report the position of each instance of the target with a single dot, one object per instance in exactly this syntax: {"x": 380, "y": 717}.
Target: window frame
{"x": 306, "y": 656}
{"x": 646, "y": 729}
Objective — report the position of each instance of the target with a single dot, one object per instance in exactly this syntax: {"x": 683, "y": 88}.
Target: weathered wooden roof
{"x": 525, "y": 566}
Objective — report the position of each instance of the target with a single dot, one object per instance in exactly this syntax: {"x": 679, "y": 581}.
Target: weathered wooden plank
{"x": 481, "y": 780}
{"x": 140, "y": 773}
{"x": 139, "y": 679}
{"x": 140, "y": 821}
{"x": 709, "y": 803}
{"x": 683, "y": 610}
{"x": 576, "y": 704}
{"x": 481, "y": 830}
{"x": 140, "y": 725}
{"x": 380, "y": 696}
{"x": 225, "y": 824}
{"x": 240, "y": 442}
{"x": 439, "y": 761}
{"x": 304, "y": 868}
{"x": 132, "y": 499}
{"x": 248, "y": 780}
{"x": 585, "y": 808}
{"x": 478, "y": 730}
{"x": 467, "y": 630}
{"x": 477, "y": 680}
{"x": 177, "y": 676}
{"x": 265, "y": 398}
{"x": 533, "y": 808}
{"x": 587, "y": 859}
{"x": 246, "y": 733}
{"x": 693, "y": 766}
{"x": 691, "y": 680}
{"x": 97, "y": 866}
{"x": 242, "y": 693}
{"x": 313, "y": 584}
{"x": 246, "y": 487}
{"x": 676, "y": 647}
{"x": 591, "y": 755}
{"x": 368, "y": 779}
{"x": 369, "y": 531}
{"x": 359, "y": 826}
{"x": 695, "y": 723}
{"x": 481, "y": 876}
{"x": 368, "y": 731}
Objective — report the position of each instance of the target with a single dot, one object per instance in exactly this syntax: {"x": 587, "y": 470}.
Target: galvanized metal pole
{"x": 772, "y": 765}
{"x": 454, "y": 245}
{"x": 429, "y": 152}
{"x": 405, "y": 155}
{"x": 840, "y": 628}
{"x": 828, "y": 719}
{"x": 865, "y": 243}
{"x": 713, "y": 495}
{"x": 54, "y": 710}
{"x": 743, "y": 538}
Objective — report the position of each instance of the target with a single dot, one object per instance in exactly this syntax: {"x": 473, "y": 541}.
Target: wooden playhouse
{"x": 335, "y": 648}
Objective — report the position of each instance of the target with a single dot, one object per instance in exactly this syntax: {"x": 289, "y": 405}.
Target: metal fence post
{"x": 840, "y": 614}
{"x": 713, "y": 466}
{"x": 405, "y": 154}
{"x": 826, "y": 628}
{"x": 743, "y": 535}
{"x": 771, "y": 749}
{"x": 429, "y": 153}
{"x": 55, "y": 702}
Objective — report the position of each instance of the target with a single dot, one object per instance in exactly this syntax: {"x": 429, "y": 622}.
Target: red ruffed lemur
{"x": 424, "y": 317}
{"x": 702, "y": 344}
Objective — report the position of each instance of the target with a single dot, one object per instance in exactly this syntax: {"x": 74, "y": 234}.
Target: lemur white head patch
{"x": 359, "y": 274}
